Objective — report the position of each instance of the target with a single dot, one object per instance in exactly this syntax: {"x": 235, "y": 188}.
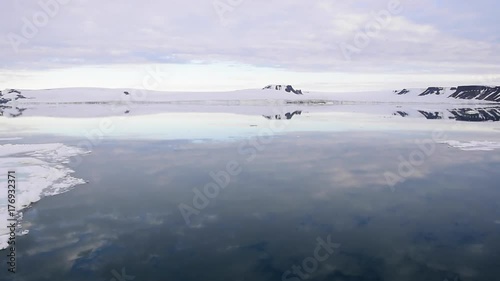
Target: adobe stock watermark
{"x": 106, "y": 126}
{"x": 322, "y": 252}
{"x": 379, "y": 21}
{"x": 224, "y": 7}
{"x": 47, "y": 10}
{"x": 408, "y": 167}
{"x": 121, "y": 276}
{"x": 454, "y": 278}
{"x": 220, "y": 180}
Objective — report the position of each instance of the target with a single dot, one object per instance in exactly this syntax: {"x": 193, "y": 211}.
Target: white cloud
{"x": 293, "y": 35}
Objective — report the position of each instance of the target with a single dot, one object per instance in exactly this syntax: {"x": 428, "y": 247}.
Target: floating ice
{"x": 473, "y": 145}
{"x": 39, "y": 172}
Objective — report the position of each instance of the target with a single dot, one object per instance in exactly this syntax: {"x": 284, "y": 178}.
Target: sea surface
{"x": 349, "y": 196}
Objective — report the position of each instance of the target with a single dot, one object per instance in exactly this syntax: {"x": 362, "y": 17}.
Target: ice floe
{"x": 473, "y": 145}
{"x": 40, "y": 172}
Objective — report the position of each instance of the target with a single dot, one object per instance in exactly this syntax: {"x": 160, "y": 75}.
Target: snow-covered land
{"x": 285, "y": 93}
{"x": 286, "y": 88}
{"x": 93, "y": 102}
{"x": 40, "y": 171}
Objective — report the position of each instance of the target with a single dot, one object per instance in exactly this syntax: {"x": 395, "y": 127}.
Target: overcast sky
{"x": 233, "y": 44}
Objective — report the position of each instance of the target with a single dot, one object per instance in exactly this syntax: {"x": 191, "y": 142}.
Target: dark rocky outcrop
{"x": 403, "y": 92}
{"x": 401, "y": 113}
{"x": 5, "y": 99}
{"x": 14, "y": 91}
{"x": 432, "y": 91}
{"x": 286, "y": 88}
{"x": 485, "y": 93}
{"x": 477, "y": 92}
{"x": 287, "y": 116}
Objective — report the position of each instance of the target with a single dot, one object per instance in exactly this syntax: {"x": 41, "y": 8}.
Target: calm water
{"x": 441, "y": 223}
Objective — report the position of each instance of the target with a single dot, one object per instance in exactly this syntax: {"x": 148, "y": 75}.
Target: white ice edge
{"x": 473, "y": 145}
{"x": 39, "y": 171}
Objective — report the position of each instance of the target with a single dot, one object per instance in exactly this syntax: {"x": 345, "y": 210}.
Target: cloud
{"x": 262, "y": 32}
{"x": 427, "y": 37}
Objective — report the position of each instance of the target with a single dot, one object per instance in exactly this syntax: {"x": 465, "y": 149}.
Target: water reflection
{"x": 269, "y": 218}
{"x": 460, "y": 114}
{"x": 271, "y": 112}
{"x": 9, "y": 111}
{"x": 286, "y": 116}
{"x": 477, "y": 114}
